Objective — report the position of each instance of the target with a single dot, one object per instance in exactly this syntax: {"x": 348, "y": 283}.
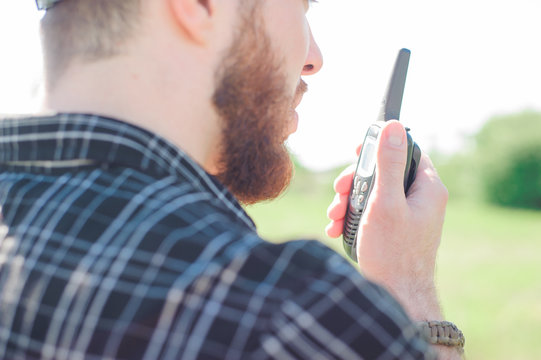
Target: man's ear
{"x": 195, "y": 17}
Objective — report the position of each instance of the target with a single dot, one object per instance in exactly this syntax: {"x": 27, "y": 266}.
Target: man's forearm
{"x": 422, "y": 304}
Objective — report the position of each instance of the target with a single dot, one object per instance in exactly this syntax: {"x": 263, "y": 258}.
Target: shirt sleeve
{"x": 337, "y": 314}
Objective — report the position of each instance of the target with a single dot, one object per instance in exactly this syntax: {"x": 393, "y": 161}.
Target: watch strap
{"x": 442, "y": 333}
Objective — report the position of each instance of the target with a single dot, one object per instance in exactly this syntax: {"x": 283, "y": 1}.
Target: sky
{"x": 470, "y": 60}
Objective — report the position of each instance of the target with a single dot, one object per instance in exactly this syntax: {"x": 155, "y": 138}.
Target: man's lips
{"x": 294, "y": 117}
{"x": 302, "y": 88}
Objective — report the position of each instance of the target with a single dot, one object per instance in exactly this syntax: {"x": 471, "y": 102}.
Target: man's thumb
{"x": 391, "y": 160}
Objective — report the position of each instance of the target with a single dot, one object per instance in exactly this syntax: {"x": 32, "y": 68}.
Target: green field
{"x": 489, "y": 265}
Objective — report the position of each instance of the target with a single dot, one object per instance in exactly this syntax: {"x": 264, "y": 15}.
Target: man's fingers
{"x": 334, "y": 229}
{"x": 342, "y": 184}
{"x": 427, "y": 183}
{"x": 391, "y": 161}
{"x": 337, "y": 209}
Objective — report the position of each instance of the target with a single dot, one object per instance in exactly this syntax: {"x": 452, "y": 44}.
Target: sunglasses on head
{"x": 46, "y": 4}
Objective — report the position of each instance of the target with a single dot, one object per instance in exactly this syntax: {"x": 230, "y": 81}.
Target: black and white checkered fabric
{"x": 116, "y": 245}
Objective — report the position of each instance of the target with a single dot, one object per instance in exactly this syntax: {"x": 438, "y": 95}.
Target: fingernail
{"x": 395, "y": 136}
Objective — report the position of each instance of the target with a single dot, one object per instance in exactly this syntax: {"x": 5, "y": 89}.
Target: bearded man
{"x": 122, "y": 231}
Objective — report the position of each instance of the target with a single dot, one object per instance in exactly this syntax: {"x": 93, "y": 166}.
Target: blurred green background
{"x": 489, "y": 263}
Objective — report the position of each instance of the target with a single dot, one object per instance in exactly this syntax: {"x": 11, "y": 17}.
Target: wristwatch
{"x": 442, "y": 333}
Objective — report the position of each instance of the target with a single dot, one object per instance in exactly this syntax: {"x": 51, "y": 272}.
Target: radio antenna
{"x": 392, "y": 102}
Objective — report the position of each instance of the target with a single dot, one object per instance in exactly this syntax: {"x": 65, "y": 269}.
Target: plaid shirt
{"x": 115, "y": 244}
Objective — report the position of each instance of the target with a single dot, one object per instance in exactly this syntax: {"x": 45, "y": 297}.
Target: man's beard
{"x": 254, "y": 105}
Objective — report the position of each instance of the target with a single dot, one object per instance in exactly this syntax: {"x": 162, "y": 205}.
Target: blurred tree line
{"x": 501, "y": 164}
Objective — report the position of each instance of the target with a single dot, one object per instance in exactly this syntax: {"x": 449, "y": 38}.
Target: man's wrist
{"x": 420, "y": 300}
{"x": 424, "y": 309}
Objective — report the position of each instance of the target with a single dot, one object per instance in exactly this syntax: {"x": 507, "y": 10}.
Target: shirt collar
{"x": 67, "y": 140}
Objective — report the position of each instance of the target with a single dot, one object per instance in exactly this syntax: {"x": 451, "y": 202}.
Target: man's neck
{"x": 121, "y": 87}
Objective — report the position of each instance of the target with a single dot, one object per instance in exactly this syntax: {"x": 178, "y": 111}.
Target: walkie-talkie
{"x": 365, "y": 174}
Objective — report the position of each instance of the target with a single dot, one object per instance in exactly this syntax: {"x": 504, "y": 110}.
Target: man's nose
{"x": 314, "y": 60}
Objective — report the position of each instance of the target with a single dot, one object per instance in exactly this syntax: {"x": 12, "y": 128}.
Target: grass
{"x": 490, "y": 279}
{"x": 489, "y": 264}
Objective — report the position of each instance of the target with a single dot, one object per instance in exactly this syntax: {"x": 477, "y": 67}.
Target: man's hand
{"x": 398, "y": 237}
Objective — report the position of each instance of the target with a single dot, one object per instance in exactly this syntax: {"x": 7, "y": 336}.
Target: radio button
{"x": 364, "y": 187}
{"x": 373, "y": 131}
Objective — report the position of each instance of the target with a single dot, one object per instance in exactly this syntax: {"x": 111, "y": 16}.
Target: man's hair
{"x": 85, "y": 30}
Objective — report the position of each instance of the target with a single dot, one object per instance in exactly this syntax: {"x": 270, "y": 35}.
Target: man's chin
{"x": 292, "y": 124}
{"x": 257, "y": 183}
